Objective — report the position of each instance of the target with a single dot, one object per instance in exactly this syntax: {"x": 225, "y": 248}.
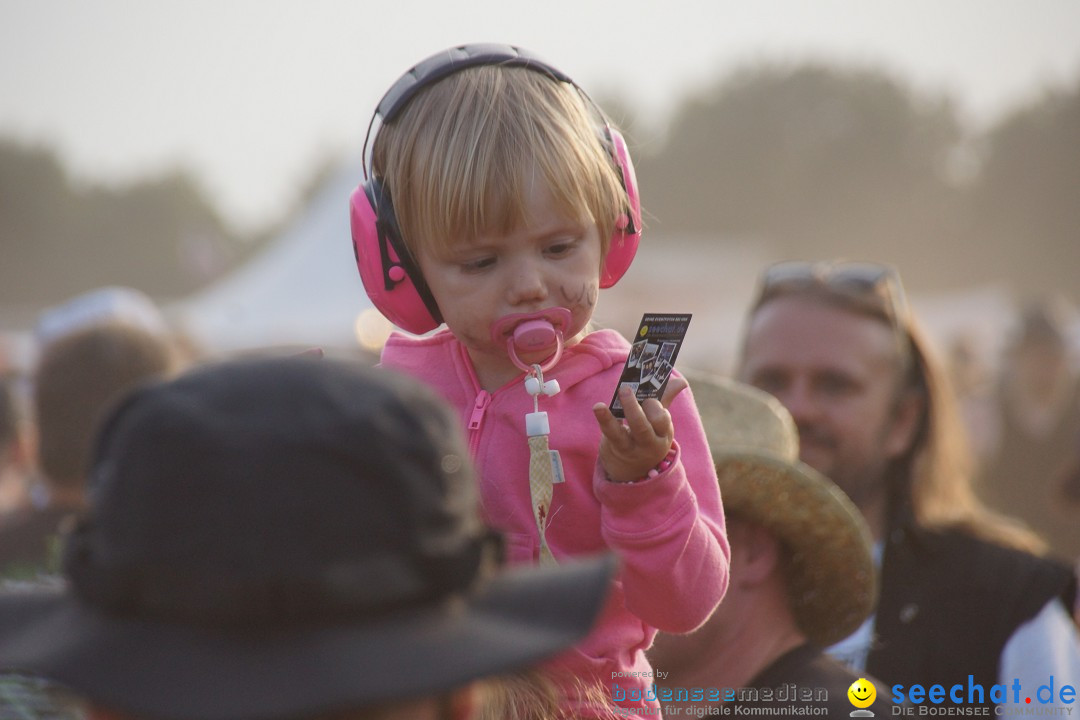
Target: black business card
{"x": 652, "y": 357}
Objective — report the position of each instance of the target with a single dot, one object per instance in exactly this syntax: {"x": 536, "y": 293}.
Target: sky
{"x": 251, "y": 95}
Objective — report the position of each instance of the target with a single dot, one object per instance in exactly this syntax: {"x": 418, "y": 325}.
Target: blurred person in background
{"x": 1037, "y": 423}
{"x": 964, "y": 591}
{"x": 78, "y": 377}
{"x": 112, "y": 304}
{"x": 15, "y": 452}
{"x": 972, "y": 378}
{"x": 293, "y": 538}
{"x": 1070, "y": 475}
{"x": 91, "y": 348}
{"x": 802, "y": 572}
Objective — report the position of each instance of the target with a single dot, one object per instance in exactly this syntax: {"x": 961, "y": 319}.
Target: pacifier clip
{"x": 545, "y": 464}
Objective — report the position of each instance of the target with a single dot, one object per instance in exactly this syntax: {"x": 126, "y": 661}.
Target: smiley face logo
{"x": 862, "y": 693}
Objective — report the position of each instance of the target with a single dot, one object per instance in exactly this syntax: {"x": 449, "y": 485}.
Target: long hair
{"x": 937, "y": 475}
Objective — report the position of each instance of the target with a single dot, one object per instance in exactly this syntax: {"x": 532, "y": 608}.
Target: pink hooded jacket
{"x": 668, "y": 531}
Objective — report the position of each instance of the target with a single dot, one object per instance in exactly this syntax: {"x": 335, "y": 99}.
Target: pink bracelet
{"x": 663, "y": 465}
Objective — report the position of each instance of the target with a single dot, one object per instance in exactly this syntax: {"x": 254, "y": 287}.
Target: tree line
{"x": 822, "y": 161}
{"x": 814, "y": 160}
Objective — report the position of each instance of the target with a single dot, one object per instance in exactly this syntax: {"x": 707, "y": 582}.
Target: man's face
{"x": 837, "y": 373}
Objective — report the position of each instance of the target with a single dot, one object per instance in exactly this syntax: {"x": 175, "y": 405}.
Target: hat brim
{"x": 170, "y": 671}
{"x": 832, "y": 580}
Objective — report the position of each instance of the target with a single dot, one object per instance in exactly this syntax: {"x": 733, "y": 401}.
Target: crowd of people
{"x": 495, "y": 523}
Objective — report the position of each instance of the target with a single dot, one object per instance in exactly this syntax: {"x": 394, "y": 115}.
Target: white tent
{"x": 302, "y": 289}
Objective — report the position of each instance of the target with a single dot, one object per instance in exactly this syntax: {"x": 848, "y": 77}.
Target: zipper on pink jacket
{"x": 480, "y": 406}
{"x": 480, "y": 403}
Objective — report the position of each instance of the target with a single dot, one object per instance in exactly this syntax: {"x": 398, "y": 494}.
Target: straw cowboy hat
{"x": 831, "y": 577}
{"x": 282, "y": 538}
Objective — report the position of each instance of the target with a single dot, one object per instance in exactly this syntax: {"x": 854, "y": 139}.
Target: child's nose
{"x": 527, "y": 283}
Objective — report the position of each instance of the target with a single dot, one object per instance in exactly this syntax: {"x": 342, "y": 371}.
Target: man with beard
{"x": 964, "y": 591}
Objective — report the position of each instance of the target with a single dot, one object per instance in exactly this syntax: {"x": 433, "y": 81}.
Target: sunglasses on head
{"x": 872, "y": 287}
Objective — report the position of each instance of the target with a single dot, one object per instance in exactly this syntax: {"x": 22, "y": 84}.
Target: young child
{"x": 499, "y": 201}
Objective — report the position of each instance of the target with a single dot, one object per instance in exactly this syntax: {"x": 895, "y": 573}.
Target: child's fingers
{"x": 676, "y": 384}
{"x": 637, "y": 421}
{"x": 610, "y": 426}
{"x": 658, "y": 417}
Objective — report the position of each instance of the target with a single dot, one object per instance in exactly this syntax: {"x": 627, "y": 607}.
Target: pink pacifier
{"x": 532, "y": 333}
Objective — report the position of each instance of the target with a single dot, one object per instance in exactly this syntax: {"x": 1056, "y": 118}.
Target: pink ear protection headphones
{"x": 391, "y": 276}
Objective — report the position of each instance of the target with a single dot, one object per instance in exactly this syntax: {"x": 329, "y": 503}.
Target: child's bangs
{"x": 569, "y": 150}
{"x": 481, "y": 139}
{"x": 497, "y": 183}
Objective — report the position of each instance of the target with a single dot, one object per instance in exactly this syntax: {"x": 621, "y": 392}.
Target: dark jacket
{"x": 950, "y": 602}
{"x": 810, "y": 670}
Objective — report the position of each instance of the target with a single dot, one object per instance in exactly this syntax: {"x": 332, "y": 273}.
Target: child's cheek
{"x": 583, "y": 295}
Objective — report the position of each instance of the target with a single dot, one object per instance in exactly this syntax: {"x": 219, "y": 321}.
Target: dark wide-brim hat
{"x": 830, "y": 573}
{"x": 281, "y": 538}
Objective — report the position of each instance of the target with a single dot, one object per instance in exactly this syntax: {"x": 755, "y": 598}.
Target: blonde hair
{"x": 460, "y": 159}
{"x": 942, "y": 492}
{"x": 524, "y": 695}
{"x": 532, "y": 694}
{"x": 527, "y": 695}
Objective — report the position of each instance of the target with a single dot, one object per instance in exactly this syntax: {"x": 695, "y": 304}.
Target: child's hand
{"x": 628, "y": 451}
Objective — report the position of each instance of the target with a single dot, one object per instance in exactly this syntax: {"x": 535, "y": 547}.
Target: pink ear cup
{"x": 624, "y": 241}
{"x": 401, "y": 303}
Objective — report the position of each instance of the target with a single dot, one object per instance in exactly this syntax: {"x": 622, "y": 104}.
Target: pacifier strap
{"x": 542, "y": 461}
{"x": 541, "y": 488}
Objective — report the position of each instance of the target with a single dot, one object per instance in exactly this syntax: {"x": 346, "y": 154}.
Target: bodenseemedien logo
{"x": 862, "y": 694}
